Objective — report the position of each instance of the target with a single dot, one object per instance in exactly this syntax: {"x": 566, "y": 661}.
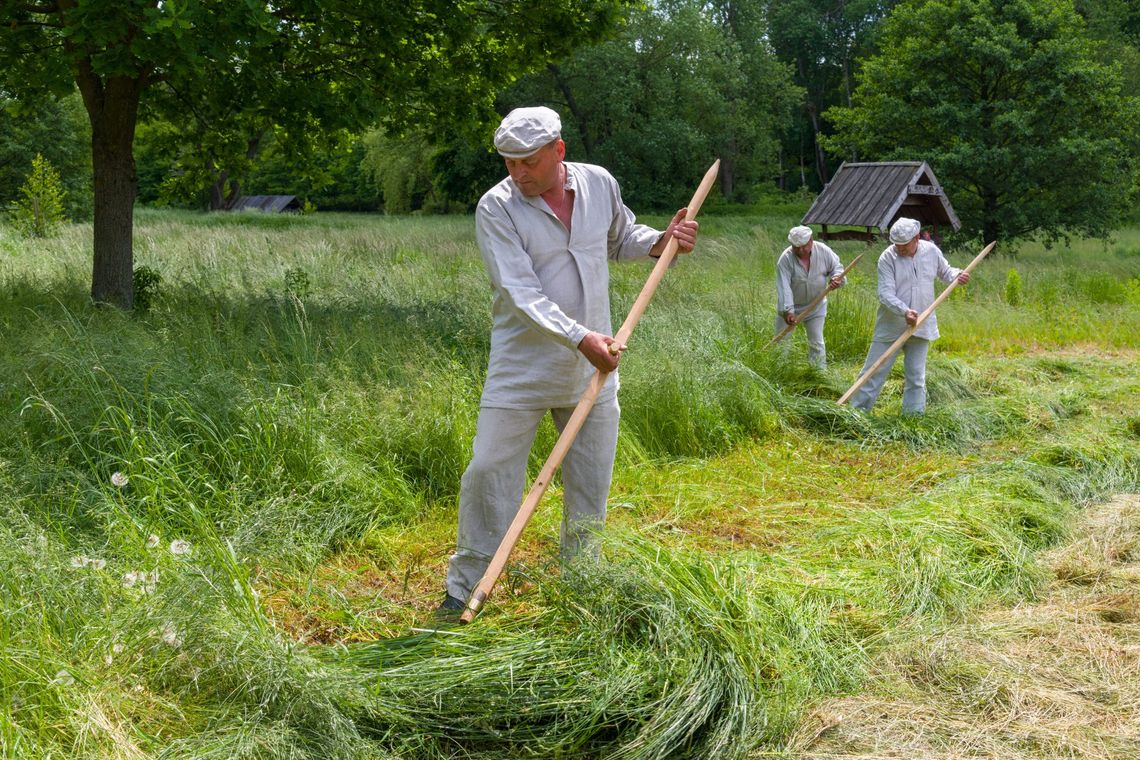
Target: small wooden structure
{"x": 874, "y": 195}
{"x": 270, "y": 204}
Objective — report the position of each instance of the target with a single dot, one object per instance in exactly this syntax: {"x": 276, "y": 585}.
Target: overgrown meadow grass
{"x": 222, "y": 516}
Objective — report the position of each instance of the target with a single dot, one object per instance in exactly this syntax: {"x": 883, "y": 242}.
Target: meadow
{"x": 224, "y": 519}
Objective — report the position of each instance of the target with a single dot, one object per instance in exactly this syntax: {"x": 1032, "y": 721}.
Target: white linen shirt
{"x": 551, "y": 287}
{"x": 797, "y": 287}
{"x": 908, "y": 283}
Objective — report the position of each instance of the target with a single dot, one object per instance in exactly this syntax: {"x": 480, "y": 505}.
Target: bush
{"x": 146, "y": 282}
{"x": 1012, "y": 288}
{"x": 39, "y": 210}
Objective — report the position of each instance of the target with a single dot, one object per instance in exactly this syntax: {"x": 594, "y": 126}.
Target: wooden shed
{"x": 874, "y": 195}
{"x": 270, "y": 204}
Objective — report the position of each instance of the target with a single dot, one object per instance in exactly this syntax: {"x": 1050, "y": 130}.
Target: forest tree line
{"x": 1028, "y": 110}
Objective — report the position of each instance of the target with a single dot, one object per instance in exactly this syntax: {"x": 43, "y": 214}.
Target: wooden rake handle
{"x": 499, "y": 561}
{"x": 811, "y": 306}
{"x": 909, "y": 331}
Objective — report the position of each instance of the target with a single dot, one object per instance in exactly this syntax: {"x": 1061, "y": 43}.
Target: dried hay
{"x": 1058, "y": 678}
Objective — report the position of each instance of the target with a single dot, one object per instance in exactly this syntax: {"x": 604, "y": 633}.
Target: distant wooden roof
{"x": 876, "y": 194}
{"x": 268, "y": 203}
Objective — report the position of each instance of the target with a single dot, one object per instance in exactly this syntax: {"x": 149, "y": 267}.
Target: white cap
{"x": 524, "y": 130}
{"x": 798, "y": 236}
{"x": 904, "y": 230}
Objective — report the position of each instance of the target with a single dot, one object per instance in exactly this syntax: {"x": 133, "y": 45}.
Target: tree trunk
{"x": 575, "y": 110}
{"x": 820, "y": 158}
{"x": 991, "y": 228}
{"x": 218, "y": 192}
{"x": 113, "y": 109}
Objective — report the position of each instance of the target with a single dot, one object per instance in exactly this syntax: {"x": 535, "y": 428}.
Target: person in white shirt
{"x": 804, "y": 270}
{"x": 547, "y": 234}
{"x": 907, "y": 270}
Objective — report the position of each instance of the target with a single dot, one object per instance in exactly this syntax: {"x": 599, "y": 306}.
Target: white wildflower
{"x": 119, "y": 479}
{"x": 109, "y": 660}
{"x": 118, "y": 647}
{"x": 84, "y": 561}
{"x": 79, "y": 561}
{"x": 63, "y": 678}
{"x": 152, "y": 541}
{"x": 170, "y": 636}
{"x": 98, "y": 564}
{"x": 179, "y": 546}
{"x": 131, "y": 578}
{"x": 149, "y": 581}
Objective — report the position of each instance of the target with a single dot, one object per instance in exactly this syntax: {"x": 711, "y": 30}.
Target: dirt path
{"x": 1056, "y": 678}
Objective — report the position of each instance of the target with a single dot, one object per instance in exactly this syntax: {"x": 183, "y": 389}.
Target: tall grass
{"x": 271, "y": 428}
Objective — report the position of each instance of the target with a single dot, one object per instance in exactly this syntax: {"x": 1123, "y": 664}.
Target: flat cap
{"x": 800, "y": 235}
{"x": 524, "y": 130}
{"x": 904, "y": 230}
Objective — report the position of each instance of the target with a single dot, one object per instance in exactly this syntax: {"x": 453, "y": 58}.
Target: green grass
{"x": 308, "y": 444}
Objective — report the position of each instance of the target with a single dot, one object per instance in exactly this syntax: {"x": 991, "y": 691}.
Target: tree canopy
{"x": 228, "y": 70}
{"x": 1030, "y": 134}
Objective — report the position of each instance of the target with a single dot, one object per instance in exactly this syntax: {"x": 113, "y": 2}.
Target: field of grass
{"x": 223, "y": 519}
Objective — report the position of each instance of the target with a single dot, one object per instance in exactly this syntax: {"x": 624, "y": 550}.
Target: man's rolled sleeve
{"x": 627, "y": 239}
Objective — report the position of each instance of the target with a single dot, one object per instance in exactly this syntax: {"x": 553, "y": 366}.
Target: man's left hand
{"x": 836, "y": 282}
{"x": 963, "y": 278}
{"x": 684, "y": 231}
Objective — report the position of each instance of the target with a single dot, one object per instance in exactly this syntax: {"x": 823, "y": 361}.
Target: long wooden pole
{"x": 909, "y": 331}
{"x": 577, "y": 419}
{"x": 811, "y": 306}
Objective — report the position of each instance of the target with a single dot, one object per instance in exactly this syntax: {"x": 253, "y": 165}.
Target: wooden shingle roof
{"x": 873, "y": 195}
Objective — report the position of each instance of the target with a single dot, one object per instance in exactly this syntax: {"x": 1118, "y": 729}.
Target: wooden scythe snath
{"x": 585, "y": 404}
{"x": 909, "y": 331}
{"x": 811, "y": 306}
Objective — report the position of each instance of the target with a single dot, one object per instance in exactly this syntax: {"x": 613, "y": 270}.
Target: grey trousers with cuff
{"x": 491, "y": 490}
{"x": 914, "y": 375}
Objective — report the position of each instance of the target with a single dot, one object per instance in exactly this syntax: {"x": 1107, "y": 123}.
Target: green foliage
{"x": 298, "y": 284}
{"x": 400, "y": 168}
{"x": 57, "y": 129}
{"x": 823, "y": 42}
{"x": 147, "y": 281}
{"x": 1028, "y": 132}
{"x": 1013, "y": 289}
{"x": 697, "y": 81}
{"x": 39, "y": 209}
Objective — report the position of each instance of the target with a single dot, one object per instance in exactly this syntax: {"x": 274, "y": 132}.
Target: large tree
{"x": 1006, "y": 99}
{"x": 352, "y": 58}
{"x": 685, "y": 81}
{"x": 821, "y": 40}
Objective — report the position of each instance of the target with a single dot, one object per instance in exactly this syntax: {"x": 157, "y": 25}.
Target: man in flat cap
{"x": 907, "y": 269}
{"x": 804, "y": 270}
{"x": 547, "y": 234}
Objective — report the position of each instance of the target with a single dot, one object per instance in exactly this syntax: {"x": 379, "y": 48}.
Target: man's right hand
{"x": 596, "y": 348}
{"x": 790, "y": 317}
{"x": 911, "y": 317}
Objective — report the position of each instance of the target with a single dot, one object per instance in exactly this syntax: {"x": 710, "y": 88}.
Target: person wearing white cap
{"x": 804, "y": 270}
{"x": 907, "y": 270}
{"x": 547, "y": 234}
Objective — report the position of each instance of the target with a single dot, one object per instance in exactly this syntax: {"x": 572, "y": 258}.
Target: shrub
{"x": 1012, "y": 288}
{"x": 146, "y": 281}
{"x": 39, "y": 210}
